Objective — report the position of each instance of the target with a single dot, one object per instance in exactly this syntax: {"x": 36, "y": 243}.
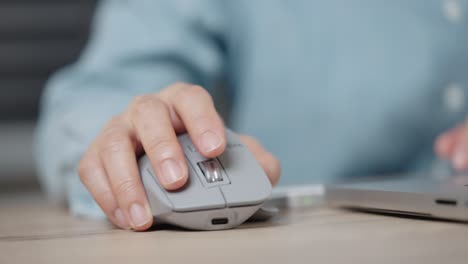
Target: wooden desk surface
{"x": 33, "y": 232}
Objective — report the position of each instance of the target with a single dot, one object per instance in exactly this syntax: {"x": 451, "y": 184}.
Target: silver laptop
{"x": 444, "y": 198}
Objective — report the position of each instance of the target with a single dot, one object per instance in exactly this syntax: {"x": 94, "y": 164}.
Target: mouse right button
{"x": 249, "y": 183}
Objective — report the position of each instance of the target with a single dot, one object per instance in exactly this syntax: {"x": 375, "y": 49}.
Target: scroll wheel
{"x": 211, "y": 170}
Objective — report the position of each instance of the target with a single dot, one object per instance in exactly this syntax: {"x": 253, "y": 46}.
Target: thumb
{"x": 269, "y": 163}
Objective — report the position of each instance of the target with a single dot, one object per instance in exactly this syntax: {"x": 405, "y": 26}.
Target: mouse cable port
{"x": 219, "y": 221}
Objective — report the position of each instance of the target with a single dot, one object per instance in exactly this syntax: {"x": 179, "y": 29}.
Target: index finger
{"x": 196, "y": 109}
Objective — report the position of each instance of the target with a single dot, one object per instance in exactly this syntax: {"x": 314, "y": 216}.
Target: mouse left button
{"x": 159, "y": 202}
{"x": 194, "y": 196}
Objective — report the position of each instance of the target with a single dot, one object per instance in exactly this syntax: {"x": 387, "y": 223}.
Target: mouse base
{"x": 215, "y": 219}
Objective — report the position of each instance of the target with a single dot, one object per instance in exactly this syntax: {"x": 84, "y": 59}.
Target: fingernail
{"x": 120, "y": 219}
{"x": 210, "y": 141}
{"x": 171, "y": 171}
{"x": 460, "y": 159}
{"x": 139, "y": 215}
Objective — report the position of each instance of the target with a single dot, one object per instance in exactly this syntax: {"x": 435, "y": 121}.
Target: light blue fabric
{"x": 334, "y": 88}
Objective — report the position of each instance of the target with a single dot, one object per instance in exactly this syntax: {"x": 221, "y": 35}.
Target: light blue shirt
{"x": 335, "y": 88}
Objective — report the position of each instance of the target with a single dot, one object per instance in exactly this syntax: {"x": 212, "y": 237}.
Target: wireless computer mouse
{"x": 221, "y": 193}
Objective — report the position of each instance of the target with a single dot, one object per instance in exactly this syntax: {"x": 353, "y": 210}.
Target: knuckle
{"x": 142, "y": 103}
{"x": 160, "y": 146}
{"x": 160, "y": 106}
{"x": 88, "y": 174}
{"x": 145, "y": 104}
{"x": 116, "y": 140}
{"x": 194, "y": 92}
{"x": 172, "y": 89}
{"x": 179, "y": 85}
{"x": 114, "y": 121}
{"x": 125, "y": 187}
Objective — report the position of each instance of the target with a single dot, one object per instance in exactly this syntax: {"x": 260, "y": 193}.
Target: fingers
{"x": 269, "y": 163}
{"x": 94, "y": 177}
{"x": 152, "y": 122}
{"x": 195, "y": 108}
{"x": 117, "y": 152}
{"x": 109, "y": 168}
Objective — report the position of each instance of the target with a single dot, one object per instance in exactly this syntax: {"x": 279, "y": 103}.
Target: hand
{"x": 453, "y": 146}
{"x": 109, "y": 167}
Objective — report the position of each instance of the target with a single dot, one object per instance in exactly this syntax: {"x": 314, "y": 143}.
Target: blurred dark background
{"x": 36, "y": 38}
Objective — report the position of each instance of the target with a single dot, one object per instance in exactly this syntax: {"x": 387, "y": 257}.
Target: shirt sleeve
{"x": 136, "y": 47}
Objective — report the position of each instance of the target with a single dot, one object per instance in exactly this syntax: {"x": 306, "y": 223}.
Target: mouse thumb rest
{"x": 235, "y": 192}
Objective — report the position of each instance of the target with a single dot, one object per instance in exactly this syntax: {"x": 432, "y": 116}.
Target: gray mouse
{"x": 221, "y": 193}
